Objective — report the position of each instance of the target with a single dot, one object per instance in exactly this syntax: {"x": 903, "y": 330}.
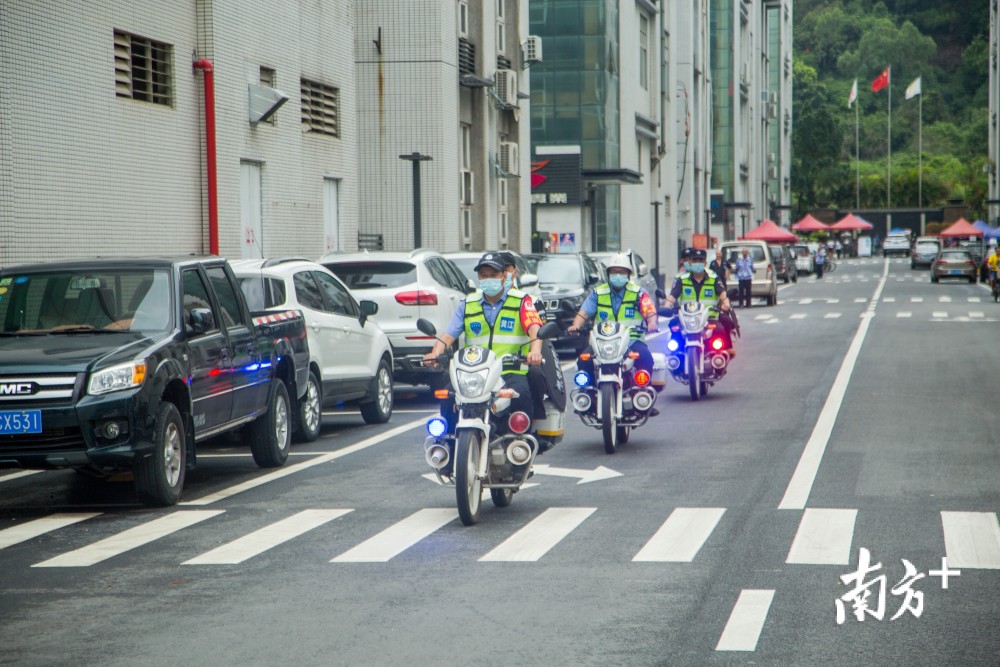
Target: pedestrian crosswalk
{"x": 823, "y": 537}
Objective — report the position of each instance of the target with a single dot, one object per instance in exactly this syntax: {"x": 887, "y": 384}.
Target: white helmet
{"x": 620, "y": 261}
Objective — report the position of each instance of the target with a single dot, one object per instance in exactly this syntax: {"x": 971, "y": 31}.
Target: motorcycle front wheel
{"x": 694, "y": 373}
{"x": 609, "y": 418}
{"x": 468, "y": 487}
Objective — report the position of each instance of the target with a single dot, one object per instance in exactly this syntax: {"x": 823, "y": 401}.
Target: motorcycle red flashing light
{"x": 518, "y": 422}
{"x": 642, "y": 378}
{"x": 417, "y": 298}
{"x": 717, "y": 344}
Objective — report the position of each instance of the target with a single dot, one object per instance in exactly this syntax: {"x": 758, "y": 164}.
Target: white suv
{"x": 406, "y": 286}
{"x": 350, "y": 358}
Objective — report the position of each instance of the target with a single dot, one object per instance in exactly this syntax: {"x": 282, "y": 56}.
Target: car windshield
{"x": 374, "y": 275}
{"x": 556, "y": 269}
{"x": 954, "y": 255}
{"x": 756, "y": 253}
{"x": 801, "y": 251}
{"x": 927, "y": 247}
{"x": 107, "y": 300}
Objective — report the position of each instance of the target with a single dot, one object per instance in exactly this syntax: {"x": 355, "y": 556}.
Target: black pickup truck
{"x": 110, "y": 365}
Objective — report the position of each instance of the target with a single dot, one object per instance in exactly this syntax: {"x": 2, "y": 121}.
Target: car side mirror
{"x": 593, "y": 279}
{"x": 201, "y": 321}
{"x": 368, "y": 308}
{"x": 528, "y": 280}
{"x": 643, "y": 269}
{"x": 470, "y": 286}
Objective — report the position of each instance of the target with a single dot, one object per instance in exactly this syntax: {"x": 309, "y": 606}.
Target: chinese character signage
{"x": 555, "y": 179}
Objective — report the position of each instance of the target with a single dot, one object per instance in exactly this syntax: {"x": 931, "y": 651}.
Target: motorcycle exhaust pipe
{"x": 673, "y": 363}
{"x": 643, "y": 401}
{"x": 518, "y": 452}
{"x": 581, "y": 401}
{"x": 718, "y": 361}
{"x": 437, "y": 456}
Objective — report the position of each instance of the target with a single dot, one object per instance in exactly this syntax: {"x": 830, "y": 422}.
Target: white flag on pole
{"x": 913, "y": 89}
{"x": 854, "y": 94}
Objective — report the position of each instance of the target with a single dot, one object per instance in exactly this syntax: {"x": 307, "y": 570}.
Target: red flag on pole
{"x": 881, "y": 81}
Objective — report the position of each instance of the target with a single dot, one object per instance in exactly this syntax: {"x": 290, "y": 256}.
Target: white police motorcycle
{"x": 620, "y": 397}
{"x": 697, "y": 355}
{"x": 490, "y": 448}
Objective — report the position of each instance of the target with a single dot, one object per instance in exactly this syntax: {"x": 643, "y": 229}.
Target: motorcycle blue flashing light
{"x": 581, "y": 379}
{"x": 672, "y": 345}
{"x": 437, "y": 426}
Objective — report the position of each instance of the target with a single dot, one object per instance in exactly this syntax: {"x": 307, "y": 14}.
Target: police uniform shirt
{"x": 675, "y": 291}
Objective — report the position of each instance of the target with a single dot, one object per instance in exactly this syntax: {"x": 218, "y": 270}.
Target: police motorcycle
{"x": 620, "y": 397}
{"x": 697, "y": 350}
{"x": 491, "y": 447}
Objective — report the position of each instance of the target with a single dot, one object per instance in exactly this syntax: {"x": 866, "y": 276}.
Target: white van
{"x": 765, "y": 283}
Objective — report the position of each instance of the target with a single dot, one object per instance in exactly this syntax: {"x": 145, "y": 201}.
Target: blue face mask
{"x": 508, "y": 281}
{"x": 697, "y": 267}
{"x": 491, "y": 286}
{"x": 687, "y": 265}
{"x": 618, "y": 281}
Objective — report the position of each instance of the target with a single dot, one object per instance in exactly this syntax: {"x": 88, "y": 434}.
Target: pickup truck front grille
{"x": 52, "y": 440}
{"x": 16, "y": 389}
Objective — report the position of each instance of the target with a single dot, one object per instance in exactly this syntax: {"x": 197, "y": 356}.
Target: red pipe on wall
{"x": 213, "y": 193}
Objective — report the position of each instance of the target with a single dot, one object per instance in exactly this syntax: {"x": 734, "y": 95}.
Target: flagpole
{"x": 888, "y": 184}
{"x": 857, "y": 156}
{"x": 920, "y": 150}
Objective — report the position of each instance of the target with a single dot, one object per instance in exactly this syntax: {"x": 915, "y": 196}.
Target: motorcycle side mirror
{"x": 733, "y": 293}
{"x": 660, "y": 294}
{"x": 550, "y": 330}
{"x": 426, "y": 327}
{"x": 666, "y": 312}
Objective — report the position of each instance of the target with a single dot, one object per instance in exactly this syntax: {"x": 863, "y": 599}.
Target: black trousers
{"x": 522, "y": 403}
{"x": 644, "y": 362}
{"x": 819, "y": 270}
{"x": 745, "y": 292}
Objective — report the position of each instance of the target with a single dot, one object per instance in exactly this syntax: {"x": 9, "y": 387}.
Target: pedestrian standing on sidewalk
{"x": 820, "y": 260}
{"x": 744, "y": 274}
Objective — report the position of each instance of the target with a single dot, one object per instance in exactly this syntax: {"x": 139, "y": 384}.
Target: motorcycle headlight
{"x": 472, "y": 384}
{"x": 607, "y": 349}
{"x": 116, "y": 378}
{"x": 691, "y": 322}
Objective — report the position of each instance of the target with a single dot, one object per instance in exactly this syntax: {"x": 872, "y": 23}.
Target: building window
{"x": 463, "y": 18}
{"x": 503, "y": 228}
{"x": 268, "y": 77}
{"x": 467, "y": 227}
{"x": 320, "y": 107}
{"x": 466, "y": 146}
{"x": 143, "y": 69}
{"x": 644, "y": 52}
{"x": 501, "y": 27}
{"x": 502, "y": 194}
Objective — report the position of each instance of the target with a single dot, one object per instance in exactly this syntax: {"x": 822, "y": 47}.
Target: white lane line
{"x": 19, "y": 474}
{"x": 763, "y": 317}
{"x": 541, "y": 534}
{"x": 889, "y": 299}
{"x": 681, "y": 536}
{"x": 746, "y": 621}
{"x": 831, "y": 316}
{"x": 805, "y": 302}
{"x": 823, "y": 538}
{"x": 797, "y": 316}
{"x": 773, "y": 320}
{"x": 976, "y": 313}
{"x": 972, "y": 539}
{"x": 129, "y": 539}
{"x": 916, "y": 299}
{"x": 975, "y": 299}
{"x": 939, "y": 314}
{"x": 944, "y": 299}
{"x": 398, "y": 537}
{"x": 904, "y": 313}
{"x": 860, "y": 299}
{"x": 268, "y": 537}
{"x": 800, "y": 485}
{"x": 299, "y": 467}
{"x": 46, "y": 524}
{"x": 833, "y": 301}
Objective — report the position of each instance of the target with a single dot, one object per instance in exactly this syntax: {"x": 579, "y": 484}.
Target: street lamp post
{"x": 656, "y": 240}
{"x": 416, "y": 158}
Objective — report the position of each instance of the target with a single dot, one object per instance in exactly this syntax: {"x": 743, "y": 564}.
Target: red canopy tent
{"x": 809, "y": 224}
{"x": 962, "y": 228}
{"x": 770, "y": 232}
{"x": 850, "y": 223}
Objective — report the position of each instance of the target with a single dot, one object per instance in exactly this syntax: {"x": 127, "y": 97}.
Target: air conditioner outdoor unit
{"x": 771, "y": 157}
{"x": 772, "y": 172}
{"x": 509, "y": 157}
{"x": 506, "y": 87}
{"x": 467, "y": 187}
{"x": 531, "y": 50}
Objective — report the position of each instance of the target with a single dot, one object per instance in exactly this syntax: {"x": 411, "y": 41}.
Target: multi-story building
{"x": 105, "y": 135}
{"x": 994, "y": 132}
{"x": 751, "y": 47}
{"x": 605, "y": 87}
{"x": 443, "y": 79}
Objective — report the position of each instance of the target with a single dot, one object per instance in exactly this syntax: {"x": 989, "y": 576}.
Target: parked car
{"x": 896, "y": 244}
{"x": 350, "y": 359}
{"x": 784, "y": 263}
{"x": 953, "y": 263}
{"x": 406, "y": 286}
{"x": 125, "y": 365}
{"x": 527, "y": 281}
{"x": 641, "y": 275}
{"x": 565, "y": 281}
{"x": 925, "y": 252}
{"x": 765, "y": 284}
{"x": 805, "y": 260}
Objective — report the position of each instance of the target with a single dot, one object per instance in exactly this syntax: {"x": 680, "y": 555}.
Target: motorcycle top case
{"x": 659, "y": 378}
{"x": 553, "y": 427}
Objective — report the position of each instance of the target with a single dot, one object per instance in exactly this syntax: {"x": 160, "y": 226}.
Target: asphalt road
{"x": 857, "y": 415}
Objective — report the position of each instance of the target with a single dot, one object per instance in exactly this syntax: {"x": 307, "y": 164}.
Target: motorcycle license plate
{"x": 16, "y": 422}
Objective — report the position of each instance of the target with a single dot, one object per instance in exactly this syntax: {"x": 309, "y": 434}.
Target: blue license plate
{"x": 956, "y": 272}
{"x": 16, "y": 422}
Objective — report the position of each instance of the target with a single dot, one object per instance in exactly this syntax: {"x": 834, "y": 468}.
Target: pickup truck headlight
{"x": 116, "y": 378}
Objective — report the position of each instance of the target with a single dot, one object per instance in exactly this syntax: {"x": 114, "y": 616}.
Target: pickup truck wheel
{"x": 270, "y": 434}
{"x": 379, "y": 410}
{"x": 310, "y": 414}
{"x": 159, "y": 478}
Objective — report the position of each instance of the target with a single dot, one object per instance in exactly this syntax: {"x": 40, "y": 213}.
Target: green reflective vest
{"x": 707, "y": 294}
{"x": 629, "y": 311}
{"x": 506, "y": 336}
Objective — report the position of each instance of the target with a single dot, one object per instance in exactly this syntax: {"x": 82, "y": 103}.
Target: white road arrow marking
{"x": 598, "y": 473}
